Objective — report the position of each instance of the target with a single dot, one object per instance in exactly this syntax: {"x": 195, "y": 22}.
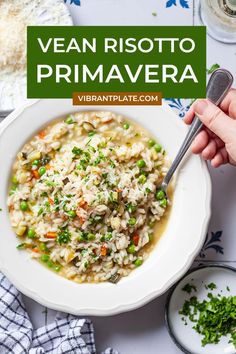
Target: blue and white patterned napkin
{"x": 66, "y": 335}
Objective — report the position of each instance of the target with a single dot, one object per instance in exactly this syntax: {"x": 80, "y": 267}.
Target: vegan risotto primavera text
{"x": 84, "y": 197}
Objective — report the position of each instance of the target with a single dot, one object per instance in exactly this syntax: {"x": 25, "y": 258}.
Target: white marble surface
{"x": 143, "y": 331}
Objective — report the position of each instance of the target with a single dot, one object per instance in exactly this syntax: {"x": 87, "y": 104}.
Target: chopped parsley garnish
{"x": 188, "y": 288}
{"x": 77, "y": 151}
{"x": 213, "y": 68}
{"x": 44, "y": 194}
{"x": 50, "y": 183}
{"x": 131, "y": 208}
{"x": 84, "y": 252}
{"x": 214, "y": 317}
{"x": 104, "y": 175}
{"x": 112, "y": 164}
{"x": 63, "y": 237}
{"x": 92, "y": 133}
{"x": 45, "y": 160}
{"x": 97, "y": 161}
{"x": 96, "y": 219}
{"x": 211, "y": 286}
{"x": 40, "y": 211}
{"x": 21, "y": 246}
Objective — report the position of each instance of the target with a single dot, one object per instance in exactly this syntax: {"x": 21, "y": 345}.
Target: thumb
{"x": 214, "y": 119}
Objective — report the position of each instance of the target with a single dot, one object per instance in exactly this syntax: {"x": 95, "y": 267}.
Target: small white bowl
{"x": 171, "y": 257}
{"x": 188, "y": 340}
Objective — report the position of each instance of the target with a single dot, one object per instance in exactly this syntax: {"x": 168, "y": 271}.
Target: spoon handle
{"x": 218, "y": 85}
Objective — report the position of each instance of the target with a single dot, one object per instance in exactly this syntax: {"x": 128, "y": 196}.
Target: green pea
{"x": 71, "y": 214}
{"x": 151, "y": 223}
{"x": 57, "y": 268}
{"x": 132, "y": 221}
{"x": 44, "y": 258}
{"x": 31, "y": 233}
{"x": 131, "y": 249}
{"x": 141, "y": 163}
{"x": 14, "y": 180}
{"x": 43, "y": 246}
{"x": 151, "y": 237}
{"x": 157, "y": 147}
{"x": 23, "y": 205}
{"x": 163, "y": 203}
{"x": 151, "y": 143}
{"x": 42, "y": 170}
{"x": 50, "y": 264}
{"x": 91, "y": 237}
{"x": 126, "y": 126}
{"x": 138, "y": 262}
{"x": 160, "y": 195}
{"x": 36, "y": 163}
{"x": 142, "y": 179}
{"x": 69, "y": 120}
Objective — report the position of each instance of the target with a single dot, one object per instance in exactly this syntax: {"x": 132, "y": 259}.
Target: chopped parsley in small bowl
{"x": 201, "y": 311}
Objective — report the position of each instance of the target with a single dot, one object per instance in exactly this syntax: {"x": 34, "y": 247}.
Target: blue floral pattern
{"x": 180, "y": 105}
{"x": 75, "y": 2}
{"x": 183, "y": 3}
{"x": 212, "y": 242}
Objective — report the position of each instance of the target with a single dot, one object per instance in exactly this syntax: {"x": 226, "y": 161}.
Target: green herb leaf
{"x": 213, "y": 68}
{"x": 63, "y": 237}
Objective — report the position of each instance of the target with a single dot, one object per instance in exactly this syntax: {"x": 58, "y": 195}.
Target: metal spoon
{"x": 218, "y": 85}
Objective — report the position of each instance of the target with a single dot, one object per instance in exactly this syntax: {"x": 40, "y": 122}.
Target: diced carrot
{"x": 103, "y": 250}
{"x": 51, "y": 234}
{"x": 81, "y": 218}
{"x": 35, "y": 174}
{"x": 136, "y": 239}
{"x": 35, "y": 249}
{"x": 118, "y": 190}
{"x": 50, "y": 201}
{"x": 42, "y": 134}
{"x": 48, "y": 167}
{"x": 83, "y": 203}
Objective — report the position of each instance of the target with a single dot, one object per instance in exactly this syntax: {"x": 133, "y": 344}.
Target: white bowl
{"x": 171, "y": 257}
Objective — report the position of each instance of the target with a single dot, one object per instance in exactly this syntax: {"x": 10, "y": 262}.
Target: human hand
{"x": 217, "y": 140}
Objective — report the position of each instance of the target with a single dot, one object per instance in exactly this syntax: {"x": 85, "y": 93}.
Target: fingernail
{"x": 200, "y": 106}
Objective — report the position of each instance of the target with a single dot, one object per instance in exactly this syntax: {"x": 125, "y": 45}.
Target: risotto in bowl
{"x": 84, "y": 196}
{"x": 84, "y": 226}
